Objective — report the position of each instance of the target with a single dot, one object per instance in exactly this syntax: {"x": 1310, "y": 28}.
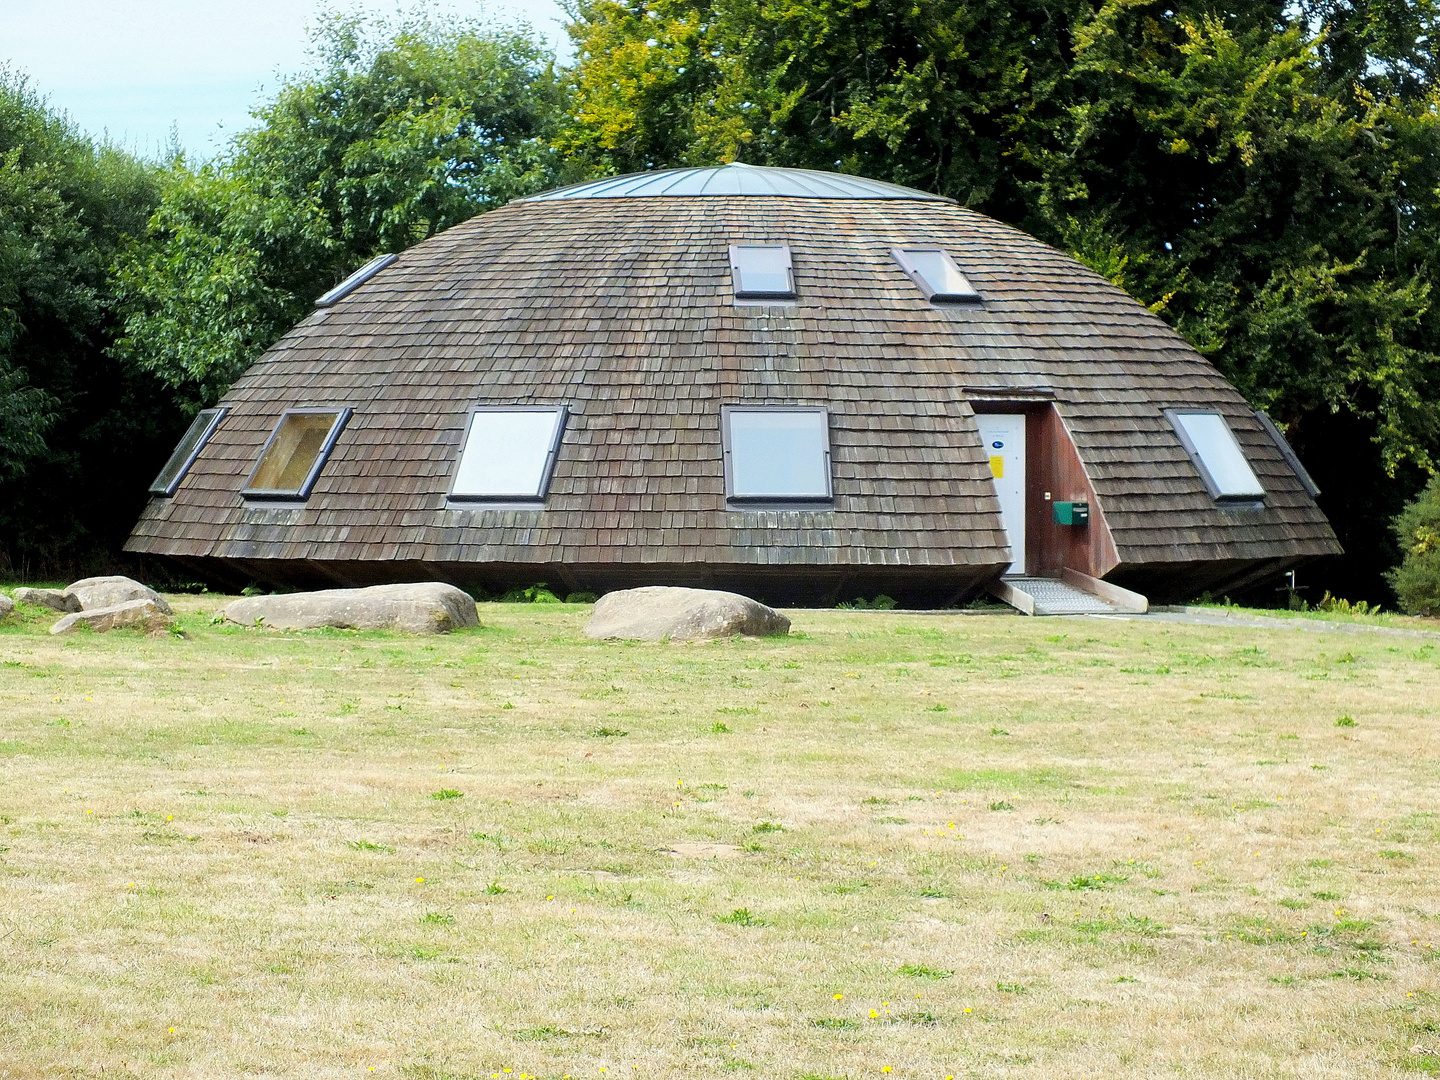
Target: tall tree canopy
{"x": 1263, "y": 175}
{"x": 399, "y": 132}
{"x": 72, "y": 421}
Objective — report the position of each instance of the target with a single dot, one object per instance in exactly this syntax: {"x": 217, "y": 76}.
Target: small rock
{"x": 100, "y": 592}
{"x": 658, "y": 613}
{"x": 7, "y": 606}
{"x": 143, "y": 614}
{"x": 54, "y": 599}
{"x": 427, "y": 607}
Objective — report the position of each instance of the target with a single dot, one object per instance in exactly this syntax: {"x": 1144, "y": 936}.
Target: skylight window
{"x": 936, "y": 273}
{"x": 1288, "y": 453}
{"x": 297, "y": 451}
{"x": 762, "y": 272}
{"x": 509, "y": 454}
{"x": 355, "y": 280}
{"x": 194, "y": 440}
{"x": 776, "y": 454}
{"x": 1217, "y": 455}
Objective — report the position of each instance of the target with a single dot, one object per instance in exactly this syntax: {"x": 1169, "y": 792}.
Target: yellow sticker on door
{"x": 997, "y": 466}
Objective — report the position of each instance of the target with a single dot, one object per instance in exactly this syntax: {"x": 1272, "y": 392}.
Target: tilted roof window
{"x": 509, "y": 453}
{"x": 1217, "y": 455}
{"x": 194, "y": 440}
{"x": 1288, "y": 453}
{"x": 355, "y": 280}
{"x": 297, "y": 451}
{"x": 762, "y": 272}
{"x": 776, "y": 454}
{"x": 937, "y": 275}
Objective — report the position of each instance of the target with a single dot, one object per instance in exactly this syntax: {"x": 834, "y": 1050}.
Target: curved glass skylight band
{"x": 187, "y": 450}
{"x": 355, "y": 280}
{"x": 737, "y": 179}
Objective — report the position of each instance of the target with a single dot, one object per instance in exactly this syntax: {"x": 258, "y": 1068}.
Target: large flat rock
{"x": 427, "y": 607}
{"x": 659, "y": 613}
{"x": 142, "y": 614}
{"x": 101, "y": 592}
{"x": 54, "y": 599}
{"x": 7, "y": 606}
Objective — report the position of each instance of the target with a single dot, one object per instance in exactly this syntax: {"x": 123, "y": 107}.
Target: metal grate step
{"x": 1054, "y": 597}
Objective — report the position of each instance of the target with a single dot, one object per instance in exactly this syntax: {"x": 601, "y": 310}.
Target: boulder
{"x": 426, "y": 607}
{"x": 54, "y": 599}
{"x": 658, "y": 613}
{"x": 143, "y": 614}
{"x": 102, "y": 592}
{"x": 7, "y": 607}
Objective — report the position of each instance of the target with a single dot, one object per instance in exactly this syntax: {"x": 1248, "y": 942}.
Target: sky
{"x": 135, "y": 69}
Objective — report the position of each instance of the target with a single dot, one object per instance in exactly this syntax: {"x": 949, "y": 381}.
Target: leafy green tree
{"x": 73, "y": 422}
{"x": 1265, "y": 177}
{"x": 399, "y": 132}
{"x": 1417, "y": 579}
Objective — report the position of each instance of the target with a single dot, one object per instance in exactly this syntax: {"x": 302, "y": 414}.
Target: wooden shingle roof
{"x": 622, "y": 309}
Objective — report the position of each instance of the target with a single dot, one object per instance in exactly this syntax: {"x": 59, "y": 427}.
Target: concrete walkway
{"x": 1202, "y": 616}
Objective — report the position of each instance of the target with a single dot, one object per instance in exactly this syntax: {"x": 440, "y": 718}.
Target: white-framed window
{"x": 188, "y": 449}
{"x": 1212, "y": 446}
{"x": 1288, "y": 453}
{"x": 936, "y": 274}
{"x": 297, "y": 450}
{"x": 762, "y": 272}
{"x": 776, "y": 454}
{"x": 509, "y": 453}
{"x": 355, "y": 280}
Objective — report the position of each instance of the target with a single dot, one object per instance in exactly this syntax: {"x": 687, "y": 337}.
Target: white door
{"x": 1003, "y": 436}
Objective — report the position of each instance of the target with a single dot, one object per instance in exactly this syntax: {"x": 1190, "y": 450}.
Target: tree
{"x": 1266, "y": 178}
{"x": 72, "y": 421}
{"x": 1417, "y": 579}
{"x": 399, "y": 132}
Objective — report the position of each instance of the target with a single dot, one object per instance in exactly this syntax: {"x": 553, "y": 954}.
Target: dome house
{"x": 799, "y": 385}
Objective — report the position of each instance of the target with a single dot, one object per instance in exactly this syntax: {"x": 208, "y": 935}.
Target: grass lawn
{"x": 890, "y": 845}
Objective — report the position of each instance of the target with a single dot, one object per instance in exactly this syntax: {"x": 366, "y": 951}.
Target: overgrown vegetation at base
{"x": 514, "y": 848}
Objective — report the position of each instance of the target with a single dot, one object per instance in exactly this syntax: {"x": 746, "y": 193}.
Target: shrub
{"x": 1417, "y": 579}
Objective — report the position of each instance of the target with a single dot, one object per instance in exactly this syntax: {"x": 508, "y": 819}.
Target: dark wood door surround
{"x": 1054, "y": 473}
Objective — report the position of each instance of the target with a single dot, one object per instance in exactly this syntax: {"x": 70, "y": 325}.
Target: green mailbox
{"x": 1072, "y": 513}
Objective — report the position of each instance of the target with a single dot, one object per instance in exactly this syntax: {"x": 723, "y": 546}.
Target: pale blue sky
{"x": 134, "y": 68}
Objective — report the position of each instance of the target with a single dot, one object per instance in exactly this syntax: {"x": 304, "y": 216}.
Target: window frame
{"x": 166, "y": 491}
{"x": 737, "y": 275}
{"x": 552, "y": 454}
{"x": 783, "y": 502}
{"x": 1244, "y": 499}
{"x": 902, "y": 257}
{"x": 355, "y": 280}
{"x": 1288, "y": 453}
{"x": 342, "y": 416}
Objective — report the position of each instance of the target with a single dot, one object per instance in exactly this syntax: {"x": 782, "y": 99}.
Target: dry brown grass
{"x": 1006, "y": 847}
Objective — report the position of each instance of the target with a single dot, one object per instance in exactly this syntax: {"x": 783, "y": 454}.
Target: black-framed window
{"x": 776, "y": 454}
{"x": 936, "y": 274}
{"x": 297, "y": 450}
{"x": 1288, "y": 453}
{"x": 762, "y": 272}
{"x": 508, "y": 454}
{"x": 1216, "y": 452}
{"x": 188, "y": 449}
{"x": 355, "y": 280}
